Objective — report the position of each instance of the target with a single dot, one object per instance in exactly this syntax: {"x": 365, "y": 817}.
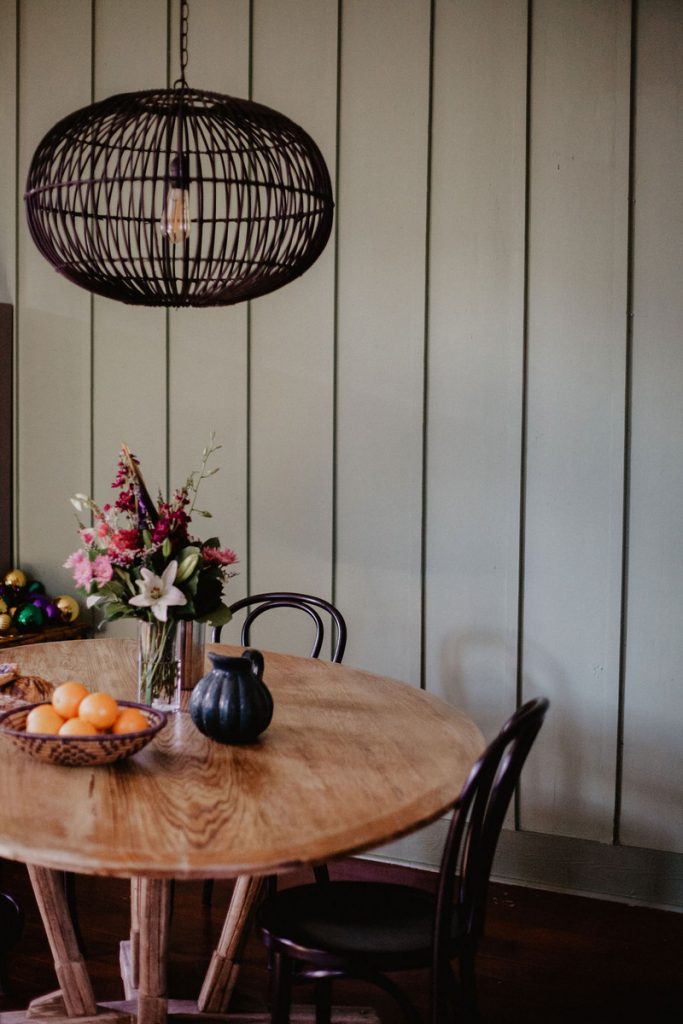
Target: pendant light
{"x": 179, "y": 197}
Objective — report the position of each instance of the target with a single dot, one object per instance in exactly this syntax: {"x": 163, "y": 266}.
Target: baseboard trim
{"x": 582, "y": 867}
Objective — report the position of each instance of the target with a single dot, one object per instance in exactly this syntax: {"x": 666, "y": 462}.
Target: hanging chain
{"x": 184, "y": 21}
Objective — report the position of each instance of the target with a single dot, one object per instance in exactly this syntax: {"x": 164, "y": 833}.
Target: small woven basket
{"x": 80, "y": 751}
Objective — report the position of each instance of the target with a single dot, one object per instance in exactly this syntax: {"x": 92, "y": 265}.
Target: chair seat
{"x": 370, "y": 921}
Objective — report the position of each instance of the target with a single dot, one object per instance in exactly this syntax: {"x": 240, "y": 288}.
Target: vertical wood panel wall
{"x": 464, "y": 422}
{"x": 577, "y": 276}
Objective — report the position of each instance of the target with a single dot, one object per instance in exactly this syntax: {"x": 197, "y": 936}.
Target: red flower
{"x": 221, "y": 556}
{"x": 123, "y": 542}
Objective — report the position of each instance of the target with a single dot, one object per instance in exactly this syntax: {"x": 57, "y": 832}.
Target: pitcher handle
{"x": 256, "y": 659}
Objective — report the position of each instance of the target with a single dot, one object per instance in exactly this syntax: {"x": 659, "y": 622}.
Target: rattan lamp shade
{"x": 259, "y": 195}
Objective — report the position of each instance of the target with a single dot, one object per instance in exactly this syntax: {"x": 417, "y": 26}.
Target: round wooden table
{"x": 350, "y": 761}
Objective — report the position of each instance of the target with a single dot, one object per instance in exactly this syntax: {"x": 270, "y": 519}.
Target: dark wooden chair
{"x": 364, "y": 929}
{"x": 257, "y": 605}
{"x": 11, "y": 927}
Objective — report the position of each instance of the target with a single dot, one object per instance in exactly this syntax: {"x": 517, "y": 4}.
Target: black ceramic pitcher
{"x": 231, "y": 703}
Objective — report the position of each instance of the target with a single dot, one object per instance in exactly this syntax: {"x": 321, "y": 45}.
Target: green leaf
{"x": 218, "y": 617}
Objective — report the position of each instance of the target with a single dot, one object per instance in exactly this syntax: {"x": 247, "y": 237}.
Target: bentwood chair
{"x": 255, "y": 606}
{"x": 11, "y": 927}
{"x": 364, "y": 929}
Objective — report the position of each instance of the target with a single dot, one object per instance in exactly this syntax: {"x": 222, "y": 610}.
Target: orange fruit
{"x": 43, "y": 718}
{"x": 77, "y": 727}
{"x": 67, "y": 696}
{"x": 99, "y": 709}
{"x": 130, "y": 720}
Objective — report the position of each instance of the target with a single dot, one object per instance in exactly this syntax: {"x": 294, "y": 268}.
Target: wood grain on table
{"x": 350, "y": 761}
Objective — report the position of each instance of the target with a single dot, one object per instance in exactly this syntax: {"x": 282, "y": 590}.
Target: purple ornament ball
{"x": 40, "y": 601}
{"x": 52, "y": 612}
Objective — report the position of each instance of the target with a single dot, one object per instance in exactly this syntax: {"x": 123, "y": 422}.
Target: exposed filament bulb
{"x": 175, "y": 218}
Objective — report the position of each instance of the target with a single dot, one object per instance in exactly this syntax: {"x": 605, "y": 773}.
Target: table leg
{"x": 154, "y": 909}
{"x": 129, "y": 951}
{"x": 222, "y": 972}
{"x": 70, "y": 968}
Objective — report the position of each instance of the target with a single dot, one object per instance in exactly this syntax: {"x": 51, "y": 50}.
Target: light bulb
{"x": 175, "y": 219}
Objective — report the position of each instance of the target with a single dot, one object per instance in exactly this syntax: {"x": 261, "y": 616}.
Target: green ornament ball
{"x": 29, "y": 618}
{"x": 36, "y": 587}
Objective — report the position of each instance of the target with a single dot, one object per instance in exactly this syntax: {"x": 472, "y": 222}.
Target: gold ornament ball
{"x": 5, "y": 623}
{"x": 15, "y": 578}
{"x": 68, "y": 607}
{"x": 3, "y": 607}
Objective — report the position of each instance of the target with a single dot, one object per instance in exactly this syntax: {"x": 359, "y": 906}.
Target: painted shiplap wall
{"x": 464, "y": 423}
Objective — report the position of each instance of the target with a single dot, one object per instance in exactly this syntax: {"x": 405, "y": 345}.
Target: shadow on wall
{"x": 569, "y": 786}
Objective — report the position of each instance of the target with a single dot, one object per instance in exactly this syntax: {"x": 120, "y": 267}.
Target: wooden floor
{"x": 547, "y": 958}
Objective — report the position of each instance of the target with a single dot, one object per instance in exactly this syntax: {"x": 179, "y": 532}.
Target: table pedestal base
{"x": 50, "y": 1009}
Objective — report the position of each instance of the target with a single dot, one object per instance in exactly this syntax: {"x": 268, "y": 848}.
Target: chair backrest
{"x": 476, "y": 826}
{"x": 312, "y": 606}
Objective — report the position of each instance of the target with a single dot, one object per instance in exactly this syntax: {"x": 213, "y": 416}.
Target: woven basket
{"x": 80, "y": 751}
{"x": 23, "y": 690}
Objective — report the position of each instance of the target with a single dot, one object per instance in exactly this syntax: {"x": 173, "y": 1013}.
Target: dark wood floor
{"x": 547, "y": 958}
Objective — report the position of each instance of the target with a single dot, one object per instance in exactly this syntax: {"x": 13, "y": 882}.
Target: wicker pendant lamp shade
{"x": 178, "y": 197}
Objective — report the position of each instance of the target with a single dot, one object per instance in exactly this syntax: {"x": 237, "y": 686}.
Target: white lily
{"x": 158, "y": 592}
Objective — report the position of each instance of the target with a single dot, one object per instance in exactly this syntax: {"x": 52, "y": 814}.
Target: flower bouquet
{"x": 139, "y": 560}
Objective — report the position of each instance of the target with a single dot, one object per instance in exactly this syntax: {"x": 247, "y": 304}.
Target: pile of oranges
{"x": 75, "y": 711}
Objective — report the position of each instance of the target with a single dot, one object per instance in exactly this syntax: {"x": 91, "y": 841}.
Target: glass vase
{"x": 170, "y": 660}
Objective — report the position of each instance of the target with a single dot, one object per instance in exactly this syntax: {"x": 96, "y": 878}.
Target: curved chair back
{"x": 475, "y": 829}
{"x": 312, "y": 606}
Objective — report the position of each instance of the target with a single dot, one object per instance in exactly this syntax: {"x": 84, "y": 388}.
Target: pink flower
{"x": 221, "y": 556}
{"x": 82, "y": 569}
{"x": 102, "y": 528}
{"x": 83, "y": 573}
{"x": 77, "y": 558}
{"x": 102, "y": 570}
{"x": 88, "y": 536}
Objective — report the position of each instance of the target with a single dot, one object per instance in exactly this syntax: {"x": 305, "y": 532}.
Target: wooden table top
{"x": 350, "y": 760}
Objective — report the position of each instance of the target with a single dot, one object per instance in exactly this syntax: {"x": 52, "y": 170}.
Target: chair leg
{"x": 322, "y": 874}
{"x": 11, "y": 927}
{"x": 445, "y": 993}
{"x": 323, "y": 1001}
{"x": 281, "y": 981}
{"x": 468, "y": 982}
{"x": 207, "y": 892}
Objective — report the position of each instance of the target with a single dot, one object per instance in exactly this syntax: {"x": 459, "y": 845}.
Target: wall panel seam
{"x": 167, "y": 312}
{"x": 248, "y": 367}
{"x": 93, "y": 79}
{"x": 425, "y": 352}
{"x": 335, "y": 314}
{"x": 628, "y": 399}
{"x": 524, "y": 404}
{"x": 15, "y": 318}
